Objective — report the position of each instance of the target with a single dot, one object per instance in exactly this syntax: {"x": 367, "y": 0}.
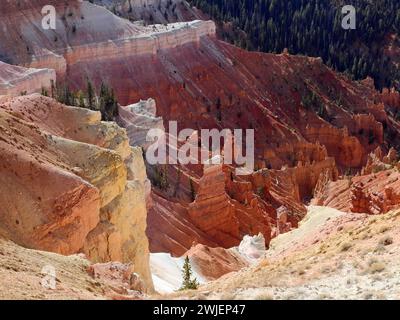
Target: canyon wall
{"x": 72, "y": 183}
{"x": 161, "y": 38}
{"x": 85, "y": 32}
{"x": 15, "y": 80}
{"x": 374, "y": 191}
{"x": 310, "y": 122}
{"x": 153, "y": 11}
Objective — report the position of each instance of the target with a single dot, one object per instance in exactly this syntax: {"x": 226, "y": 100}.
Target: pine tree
{"x": 45, "y": 92}
{"x": 53, "y": 89}
{"x": 313, "y": 28}
{"x": 91, "y": 95}
{"x": 188, "y": 283}
{"x": 81, "y": 99}
{"x": 108, "y": 104}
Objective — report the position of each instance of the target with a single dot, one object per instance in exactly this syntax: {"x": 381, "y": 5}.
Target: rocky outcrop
{"x": 83, "y": 185}
{"x": 347, "y": 149}
{"x": 310, "y": 122}
{"x": 361, "y": 201}
{"x": 226, "y": 208}
{"x": 213, "y": 263}
{"x": 373, "y": 193}
{"x": 391, "y": 97}
{"x": 153, "y": 11}
{"x": 149, "y": 42}
{"x": 138, "y": 119}
{"x": 212, "y": 211}
{"x": 124, "y": 283}
{"x": 15, "y": 80}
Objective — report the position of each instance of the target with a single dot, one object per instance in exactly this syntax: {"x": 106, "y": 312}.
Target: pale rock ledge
{"x": 14, "y": 79}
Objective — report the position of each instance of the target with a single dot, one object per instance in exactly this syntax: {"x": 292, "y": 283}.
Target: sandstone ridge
{"x": 15, "y": 80}
{"x": 71, "y": 183}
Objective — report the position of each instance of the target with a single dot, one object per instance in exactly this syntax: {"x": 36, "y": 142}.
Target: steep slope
{"x": 15, "y": 80}
{"x": 152, "y": 11}
{"x": 375, "y": 191}
{"x": 38, "y": 275}
{"x": 71, "y": 183}
{"x": 309, "y": 146}
{"x": 21, "y": 268}
{"x": 315, "y": 28}
{"x": 331, "y": 256}
{"x": 83, "y": 30}
{"x": 309, "y": 121}
{"x": 220, "y": 86}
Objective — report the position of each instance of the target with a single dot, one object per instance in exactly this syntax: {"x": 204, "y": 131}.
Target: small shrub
{"x": 345, "y": 246}
{"x": 386, "y": 241}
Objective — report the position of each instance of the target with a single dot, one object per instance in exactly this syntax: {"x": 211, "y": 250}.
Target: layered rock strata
{"x": 375, "y": 191}
{"x": 15, "y": 80}
{"x": 72, "y": 183}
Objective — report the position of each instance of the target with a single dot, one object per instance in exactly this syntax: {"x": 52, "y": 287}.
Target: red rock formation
{"x": 56, "y": 218}
{"x": 206, "y": 83}
{"x": 361, "y": 201}
{"x": 373, "y": 193}
{"x": 213, "y": 263}
{"x": 391, "y": 97}
{"x": 212, "y": 211}
{"x": 170, "y": 228}
{"x": 227, "y": 208}
{"x": 14, "y": 80}
{"x": 71, "y": 183}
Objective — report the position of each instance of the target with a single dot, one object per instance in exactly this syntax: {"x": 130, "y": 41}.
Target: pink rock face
{"x": 44, "y": 204}
{"x": 212, "y": 211}
{"x": 373, "y": 192}
{"x": 119, "y": 278}
{"x": 206, "y": 83}
{"x": 213, "y": 263}
{"x": 71, "y": 183}
{"x": 170, "y": 228}
{"x": 15, "y": 80}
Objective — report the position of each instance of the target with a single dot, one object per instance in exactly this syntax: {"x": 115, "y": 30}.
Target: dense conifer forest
{"x": 313, "y": 27}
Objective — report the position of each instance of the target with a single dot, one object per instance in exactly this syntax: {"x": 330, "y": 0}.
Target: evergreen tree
{"x": 106, "y": 102}
{"x": 90, "y": 95}
{"x": 188, "y": 283}
{"x": 81, "y": 99}
{"x": 64, "y": 95}
{"x": 108, "y": 105}
{"x": 45, "y": 92}
{"x": 313, "y": 28}
{"x": 53, "y": 89}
